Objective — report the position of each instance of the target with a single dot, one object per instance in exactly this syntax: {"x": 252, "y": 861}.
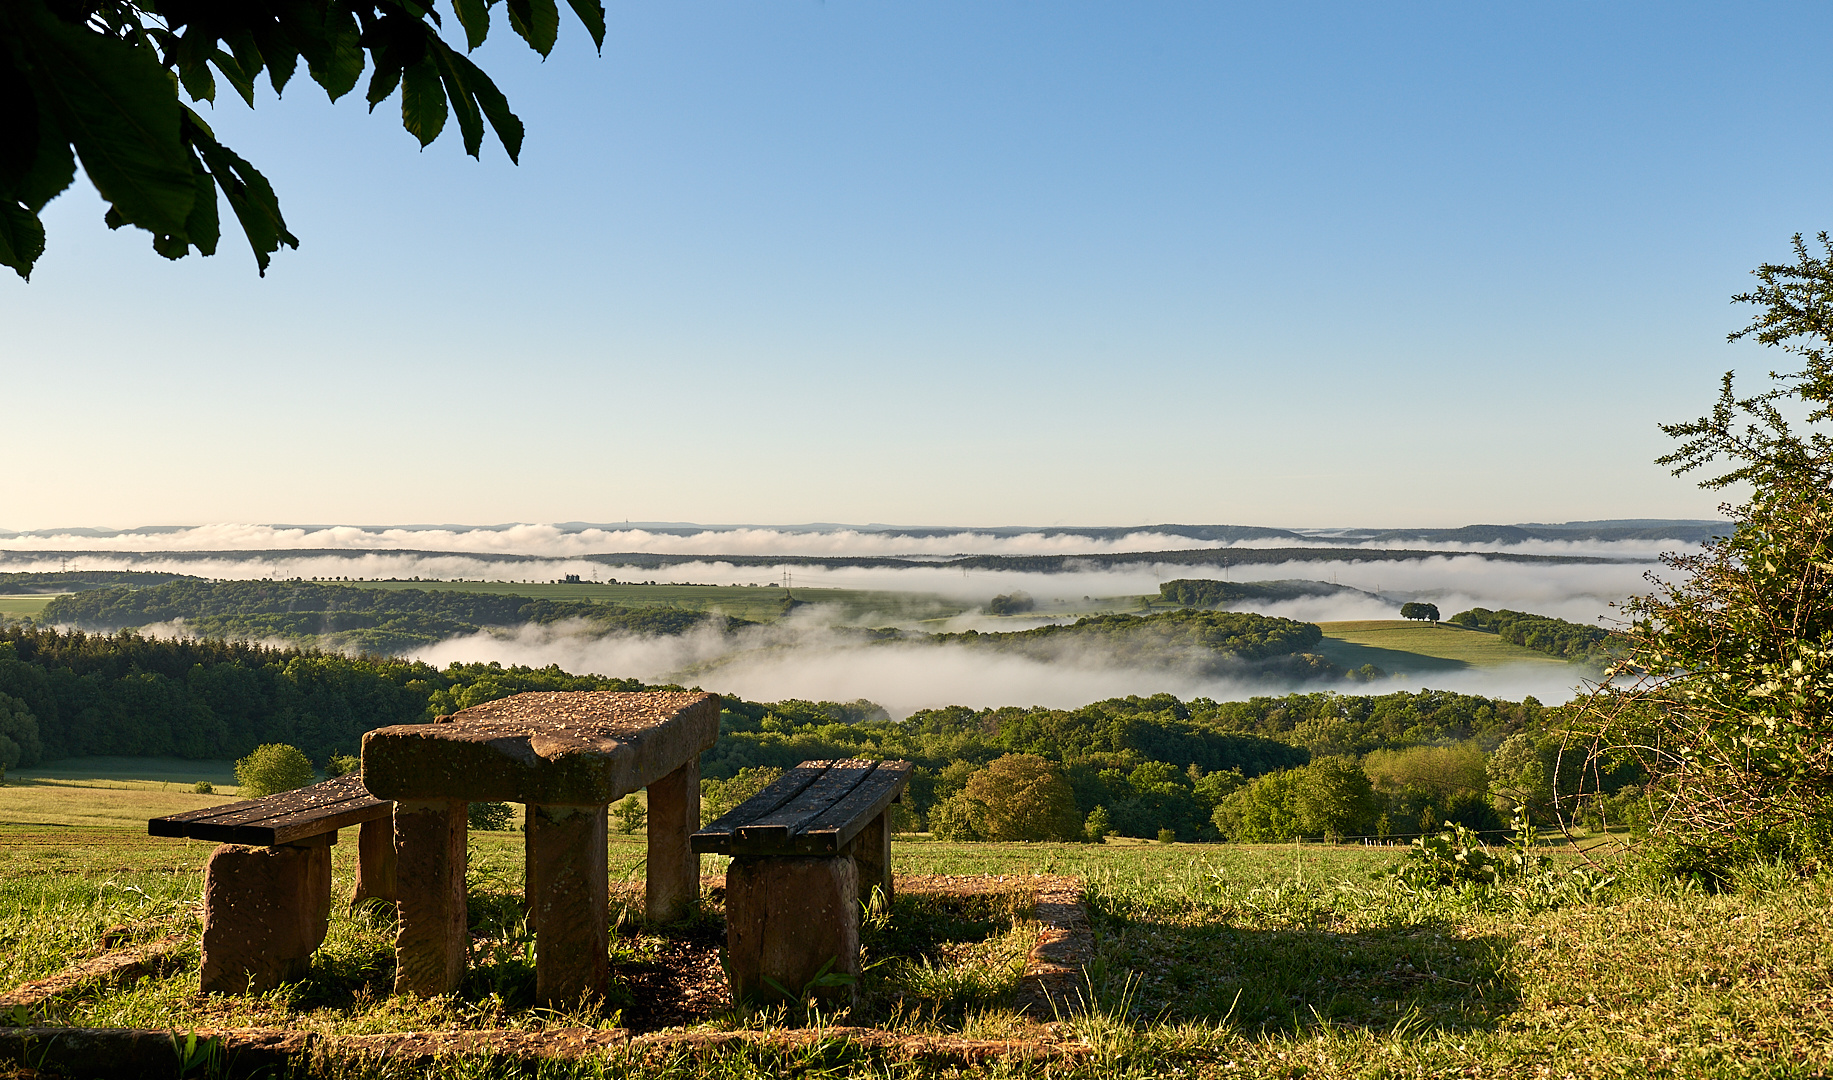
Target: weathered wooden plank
{"x": 281, "y": 818}
{"x": 835, "y": 827}
{"x": 792, "y": 817}
{"x": 715, "y": 838}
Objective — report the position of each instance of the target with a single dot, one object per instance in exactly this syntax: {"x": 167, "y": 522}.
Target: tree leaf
{"x": 22, "y": 238}
{"x": 462, "y": 97}
{"x": 249, "y": 194}
{"x": 538, "y": 21}
{"x": 592, "y": 14}
{"x": 423, "y": 101}
{"x": 328, "y": 36}
{"x": 203, "y": 227}
{"x": 495, "y": 106}
{"x": 120, "y": 109}
{"x": 474, "y": 16}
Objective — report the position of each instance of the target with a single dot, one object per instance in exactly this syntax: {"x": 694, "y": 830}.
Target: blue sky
{"x": 962, "y": 263}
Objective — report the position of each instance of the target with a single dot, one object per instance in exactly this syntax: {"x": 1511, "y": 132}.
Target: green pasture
{"x": 30, "y": 604}
{"x": 1209, "y": 960}
{"x": 1397, "y": 645}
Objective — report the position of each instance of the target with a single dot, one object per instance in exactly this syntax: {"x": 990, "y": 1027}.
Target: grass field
{"x": 1210, "y": 960}
{"x": 18, "y": 606}
{"x": 1396, "y": 645}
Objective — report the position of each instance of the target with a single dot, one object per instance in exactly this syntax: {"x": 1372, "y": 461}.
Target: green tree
{"x": 1334, "y": 798}
{"x": 489, "y": 816}
{"x": 19, "y": 741}
{"x": 1419, "y": 611}
{"x": 1097, "y": 826}
{"x": 1725, "y": 695}
{"x": 960, "y": 817}
{"x": 101, "y": 81}
{"x": 720, "y": 797}
{"x": 630, "y": 815}
{"x": 272, "y": 768}
{"x": 1026, "y": 798}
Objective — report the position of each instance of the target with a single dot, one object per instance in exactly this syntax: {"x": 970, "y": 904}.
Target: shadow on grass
{"x": 1293, "y": 979}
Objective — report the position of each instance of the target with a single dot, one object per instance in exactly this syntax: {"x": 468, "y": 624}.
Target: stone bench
{"x": 566, "y": 756}
{"x": 808, "y": 852}
{"x": 267, "y": 889}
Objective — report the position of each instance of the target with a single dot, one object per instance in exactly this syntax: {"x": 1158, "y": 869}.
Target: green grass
{"x": 19, "y": 606}
{"x": 1396, "y": 645}
{"x": 1210, "y": 960}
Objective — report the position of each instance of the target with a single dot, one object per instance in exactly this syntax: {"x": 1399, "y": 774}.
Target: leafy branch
{"x": 100, "y": 82}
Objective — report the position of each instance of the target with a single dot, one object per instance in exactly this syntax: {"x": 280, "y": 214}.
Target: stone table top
{"x": 581, "y": 748}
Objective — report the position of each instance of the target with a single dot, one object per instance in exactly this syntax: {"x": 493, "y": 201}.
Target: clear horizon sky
{"x": 960, "y": 263}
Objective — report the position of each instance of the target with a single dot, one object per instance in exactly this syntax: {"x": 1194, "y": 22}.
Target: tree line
{"x": 1555, "y": 637}
{"x": 348, "y": 617}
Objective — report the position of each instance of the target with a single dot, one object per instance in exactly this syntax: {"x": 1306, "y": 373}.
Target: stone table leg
{"x": 432, "y": 936}
{"x": 672, "y": 888}
{"x": 788, "y": 919}
{"x": 568, "y": 881}
{"x": 872, "y": 852}
{"x": 375, "y": 862}
{"x": 266, "y": 910}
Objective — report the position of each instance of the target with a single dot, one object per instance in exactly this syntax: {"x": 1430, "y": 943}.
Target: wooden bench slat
{"x": 776, "y": 827}
{"x": 815, "y": 809}
{"x": 278, "y": 819}
{"x": 835, "y": 828}
{"x": 714, "y": 838}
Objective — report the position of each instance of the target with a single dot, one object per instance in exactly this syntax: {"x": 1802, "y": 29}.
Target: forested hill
{"x": 1555, "y": 637}
{"x": 1210, "y": 640}
{"x": 345, "y": 617}
{"x": 1209, "y": 592}
{"x": 58, "y": 581}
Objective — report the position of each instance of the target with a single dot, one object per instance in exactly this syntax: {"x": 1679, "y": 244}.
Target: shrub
{"x": 1097, "y": 827}
{"x": 271, "y": 769}
{"x": 489, "y": 816}
{"x": 204, "y": 787}
{"x": 1026, "y": 798}
{"x": 342, "y": 765}
{"x": 630, "y": 815}
{"x": 1167, "y": 836}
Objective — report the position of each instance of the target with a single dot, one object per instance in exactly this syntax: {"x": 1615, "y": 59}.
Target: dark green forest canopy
{"x": 346, "y": 616}
{"x": 1555, "y": 637}
{"x": 1210, "y": 592}
{"x": 57, "y": 581}
{"x": 1212, "y": 640}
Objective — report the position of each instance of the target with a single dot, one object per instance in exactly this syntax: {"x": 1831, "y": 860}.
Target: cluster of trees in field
{"x": 1215, "y": 640}
{"x": 1210, "y": 592}
{"x": 1264, "y": 769}
{"x": 1555, "y": 637}
{"x": 347, "y": 617}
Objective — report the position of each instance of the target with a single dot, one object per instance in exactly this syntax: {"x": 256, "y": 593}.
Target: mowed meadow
{"x": 1210, "y": 959}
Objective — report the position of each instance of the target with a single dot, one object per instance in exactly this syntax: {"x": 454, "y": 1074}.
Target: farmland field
{"x": 1407, "y": 645}
{"x": 17, "y": 606}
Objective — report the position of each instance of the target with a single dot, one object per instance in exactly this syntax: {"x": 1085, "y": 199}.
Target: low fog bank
{"x": 1580, "y": 592}
{"x": 805, "y": 658}
{"x": 556, "y": 542}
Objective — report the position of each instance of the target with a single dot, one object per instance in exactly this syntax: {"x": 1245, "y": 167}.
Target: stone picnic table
{"x": 567, "y": 756}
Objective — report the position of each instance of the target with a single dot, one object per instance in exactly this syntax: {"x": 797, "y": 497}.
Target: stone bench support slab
{"x": 789, "y": 919}
{"x": 266, "y": 911}
{"x": 432, "y": 935}
{"x": 569, "y": 901}
{"x": 672, "y": 888}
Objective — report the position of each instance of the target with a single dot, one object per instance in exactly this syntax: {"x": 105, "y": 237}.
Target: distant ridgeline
{"x": 58, "y": 581}
{"x": 347, "y": 617}
{"x": 1216, "y": 642}
{"x": 1208, "y": 592}
{"x": 1555, "y": 637}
